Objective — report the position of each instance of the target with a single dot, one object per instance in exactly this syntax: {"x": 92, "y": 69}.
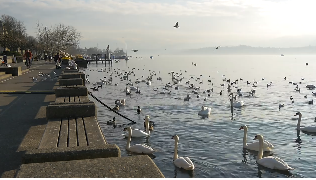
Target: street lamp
{"x": 2, "y": 31}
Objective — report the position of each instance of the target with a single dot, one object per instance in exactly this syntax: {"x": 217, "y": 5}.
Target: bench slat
{"x": 63, "y": 136}
{"x": 81, "y": 133}
{"x": 60, "y": 100}
{"x": 72, "y": 133}
{"x": 94, "y": 133}
{"x": 50, "y": 137}
{"x": 84, "y": 99}
{"x": 72, "y": 99}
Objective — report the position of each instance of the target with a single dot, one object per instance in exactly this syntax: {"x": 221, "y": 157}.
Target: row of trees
{"x": 50, "y": 40}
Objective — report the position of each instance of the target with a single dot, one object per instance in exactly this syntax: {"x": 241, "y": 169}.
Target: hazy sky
{"x": 148, "y": 24}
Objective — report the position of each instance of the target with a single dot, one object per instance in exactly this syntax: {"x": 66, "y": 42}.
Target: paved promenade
{"x": 23, "y": 116}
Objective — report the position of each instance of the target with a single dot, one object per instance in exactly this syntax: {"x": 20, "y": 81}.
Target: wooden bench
{"x": 66, "y": 132}
{"x": 67, "y": 139}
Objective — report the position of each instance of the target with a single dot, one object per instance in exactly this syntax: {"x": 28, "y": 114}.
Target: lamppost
{"x": 2, "y": 31}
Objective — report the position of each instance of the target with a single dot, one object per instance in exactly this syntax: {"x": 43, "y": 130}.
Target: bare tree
{"x": 58, "y": 38}
{"x": 12, "y": 33}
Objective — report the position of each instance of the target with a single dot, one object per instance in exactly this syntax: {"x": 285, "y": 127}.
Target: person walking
{"x": 5, "y": 59}
{"x": 57, "y": 60}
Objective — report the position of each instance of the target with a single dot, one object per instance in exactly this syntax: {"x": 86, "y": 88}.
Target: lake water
{"x": 214, "y": 144}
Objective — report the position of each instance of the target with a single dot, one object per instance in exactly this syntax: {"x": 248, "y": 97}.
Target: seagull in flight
{"x": 176, "y": 26}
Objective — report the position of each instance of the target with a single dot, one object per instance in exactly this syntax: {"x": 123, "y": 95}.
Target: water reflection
{"x": 183, "y": 171}
{"x": 262, "y": 168}
{"x": 244, "y": 155}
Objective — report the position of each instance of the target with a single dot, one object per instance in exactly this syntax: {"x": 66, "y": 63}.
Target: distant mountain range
{"x": 243, "y": 49}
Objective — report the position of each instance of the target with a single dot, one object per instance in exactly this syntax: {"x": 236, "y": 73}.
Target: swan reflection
{"x": 182, "y": 172}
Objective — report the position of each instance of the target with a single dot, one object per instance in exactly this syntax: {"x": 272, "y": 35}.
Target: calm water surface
{"x": 214, "y": 144}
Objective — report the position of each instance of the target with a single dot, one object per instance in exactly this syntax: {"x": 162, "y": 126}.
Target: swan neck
{"x": 260, "y": 152}
{"x": 245, "y": 137}
{"x": 147, "y": 125}
{"x": 299, "y": 121}
{"x": 175, "y": 150}
{"x": 128, "y": 145}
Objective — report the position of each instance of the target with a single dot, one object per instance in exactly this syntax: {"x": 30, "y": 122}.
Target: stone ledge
{"x": 71, "y": 91}
{"x": 15, "y": 71}
{"x": 70, "y": 71}
{"x": 140, "y": 166}
{"x": 54, "y": 111}
{"x": 71, "y": 153}
{"x": 70, "y": 82}
{"x": 73, "y": 75}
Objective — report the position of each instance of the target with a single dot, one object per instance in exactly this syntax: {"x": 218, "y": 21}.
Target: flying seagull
{"x": 176, "y": 26}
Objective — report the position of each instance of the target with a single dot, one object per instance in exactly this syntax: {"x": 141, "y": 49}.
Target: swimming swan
{"x": 238, "y": 104}
{"x": 255, "y": 145}
{"x": 270, "y": 162}
{"x": 311, "y": 129}
{"x": 205, "y": 111}
{"x": 137, "y": 148}
{"x": 181, "y": 162}
{"x": 140, "y": 133}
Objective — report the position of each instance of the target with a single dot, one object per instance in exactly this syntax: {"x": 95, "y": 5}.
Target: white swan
{"x": 140, "y": 133}
{"x": 270, "y": 162}
{"x": 205, "y": 111}
{"x": 133, "y": 88}
{"x": 128, "y": 92}
{"x": 137, "y": 148}
{"x": 311, "y": 129}
{"x": 181, "y": 162}
{"x": 238, "y": 104}
{"x": 255, "y": 145}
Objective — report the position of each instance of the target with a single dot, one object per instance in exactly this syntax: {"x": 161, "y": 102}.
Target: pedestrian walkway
{"x": 23, "y": 116}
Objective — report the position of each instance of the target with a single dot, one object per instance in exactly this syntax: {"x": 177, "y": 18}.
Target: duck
{"x": 111, "y": 122}
{"x": 140, "y": 133}
{"x": 137, "y": 148}
{"x": 120, "y": 102}
{"x": 311, "y": 102}
{"x": 205, "y": 111}
{"x": 267, "y": 146}
{"x": 311, "y": 129}
{"x": 181, "y": 162}
{"x": 281, "y": 105}
{"x": 128, "y": 92}
{"x": 187, "y": 98}
{"x": 139, "y": 110}
{"x": 270, "y": 162}
{"x": 116, "y": 108}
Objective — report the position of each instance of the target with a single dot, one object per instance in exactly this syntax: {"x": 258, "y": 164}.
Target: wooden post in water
{"x": 105, "y": 59}
{"x": 96, "y": 59}
{"x": 231, "y": 103}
